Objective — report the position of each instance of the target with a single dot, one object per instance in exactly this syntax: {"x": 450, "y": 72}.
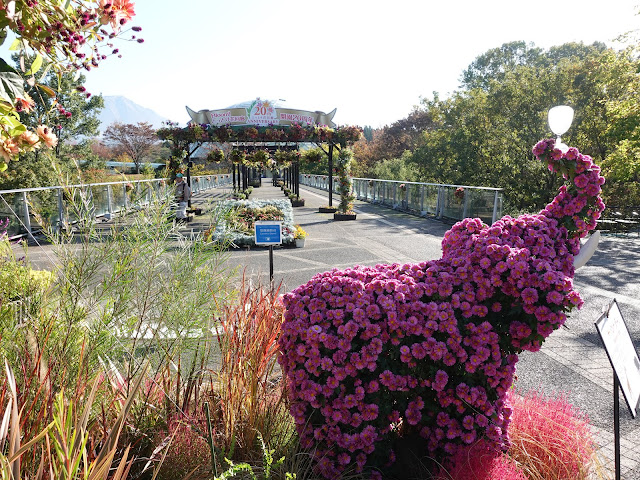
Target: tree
{"x": 483, "y": 134}
{"x": 138, "y": 141}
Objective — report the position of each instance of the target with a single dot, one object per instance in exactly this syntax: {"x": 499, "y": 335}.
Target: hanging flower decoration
{"x": 274, "y": 134}
{"x": 215, "y": 156}
{"x": 285, "y": 158}
{"x": 257, "y": 159}
{"x": 314, "y": 155}
{"x": 184, "y": 139}
{"x": 459, "y": 193}
{"x": 237, "y": 156}
{"x": 250, "y": 133}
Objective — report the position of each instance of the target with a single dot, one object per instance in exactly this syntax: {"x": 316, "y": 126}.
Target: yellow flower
{"x": 300, "y": 233}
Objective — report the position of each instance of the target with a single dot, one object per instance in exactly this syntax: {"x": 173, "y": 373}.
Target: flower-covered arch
{"x": 255, "y": 146}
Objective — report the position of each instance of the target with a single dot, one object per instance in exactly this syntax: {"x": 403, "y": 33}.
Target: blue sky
{"x": 371, "y": 60}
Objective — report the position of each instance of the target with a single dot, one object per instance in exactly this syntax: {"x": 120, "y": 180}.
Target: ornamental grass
{"x": 550, "y": 439}
{"x": 249, "y": 396}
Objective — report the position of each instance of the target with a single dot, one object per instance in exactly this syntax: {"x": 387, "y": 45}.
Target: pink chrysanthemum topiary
{"x": 431, "y": 348}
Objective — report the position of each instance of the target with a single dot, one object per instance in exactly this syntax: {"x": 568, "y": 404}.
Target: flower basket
{"x": 215, "y": 156}
{"x": 237, "y": 156}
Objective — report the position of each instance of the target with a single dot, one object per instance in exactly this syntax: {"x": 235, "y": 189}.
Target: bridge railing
{"x": 27, "y": 207}
{"x": 442, "y": 201}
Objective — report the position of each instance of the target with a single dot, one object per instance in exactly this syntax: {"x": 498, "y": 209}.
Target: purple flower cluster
{"x": 374, "y": 352}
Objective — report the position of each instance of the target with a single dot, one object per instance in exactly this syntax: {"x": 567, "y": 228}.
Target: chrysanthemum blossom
{"x": 116, "y": 12}
{"x": 47, "y": 136}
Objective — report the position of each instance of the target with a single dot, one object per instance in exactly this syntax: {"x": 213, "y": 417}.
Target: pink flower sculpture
{"x": 430, "y": 349}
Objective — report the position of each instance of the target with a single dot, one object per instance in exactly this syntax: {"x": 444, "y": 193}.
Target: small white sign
{"x": 268, "y": 232}
{"x": 622, "y": 354}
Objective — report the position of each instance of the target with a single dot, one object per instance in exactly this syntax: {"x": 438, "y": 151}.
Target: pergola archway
{"x": 257, "y": 126}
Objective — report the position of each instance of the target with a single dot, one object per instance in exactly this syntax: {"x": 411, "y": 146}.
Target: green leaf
{"x": 35, "y": 66}
{"x": 11, "y": 83}
{"x": 15, "y": 45}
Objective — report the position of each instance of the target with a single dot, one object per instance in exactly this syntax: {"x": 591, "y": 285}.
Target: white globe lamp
{"x": 560, "y": 119}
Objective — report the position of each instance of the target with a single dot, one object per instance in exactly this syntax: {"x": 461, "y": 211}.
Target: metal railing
{"x": 453, "y": 202}
{"x": 26, "y": 208}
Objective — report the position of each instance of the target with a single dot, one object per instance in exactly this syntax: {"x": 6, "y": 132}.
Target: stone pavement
{"x": 572, "y": 360}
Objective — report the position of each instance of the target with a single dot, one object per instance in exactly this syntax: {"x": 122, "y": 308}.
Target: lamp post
{"x": 560, "y": 119}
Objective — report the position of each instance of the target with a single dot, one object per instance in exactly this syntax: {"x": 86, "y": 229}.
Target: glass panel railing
{"x": 28, "y": 209}
{"x": 453, "y": 202}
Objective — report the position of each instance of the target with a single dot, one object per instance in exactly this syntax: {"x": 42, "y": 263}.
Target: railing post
{"x": 422, "y": 211}
{"x": 395, "y": 195}
{"x": 494, "y": 217}
{"x": 126, "y": 198}
{"x": 406, "y": 196}
{"x": 439, "y": 202}
{"x": 27, "y": 220}
{"x": 109, "y": 202}
{"x": 60, "y": 209}
{"x": 465, "y": 203}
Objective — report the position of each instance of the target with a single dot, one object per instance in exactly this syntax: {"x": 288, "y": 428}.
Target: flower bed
{"x": 239, "y": 217}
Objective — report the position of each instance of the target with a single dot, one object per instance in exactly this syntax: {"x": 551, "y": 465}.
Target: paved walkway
{"x": 572, "y": 360}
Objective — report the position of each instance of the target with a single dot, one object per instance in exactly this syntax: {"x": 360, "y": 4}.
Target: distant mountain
{"x": 123, "y": 110}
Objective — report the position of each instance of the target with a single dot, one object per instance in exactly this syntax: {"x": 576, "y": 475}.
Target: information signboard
{"x": 622, "y": 354}
{"x": 268, "y": 232}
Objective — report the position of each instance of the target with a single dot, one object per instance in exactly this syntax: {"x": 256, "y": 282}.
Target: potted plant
{"x": 299, "y": 235}
{"x": 328, "y": 209}
{"x": 296, "y": 201}
{"x": 345, "y": 186}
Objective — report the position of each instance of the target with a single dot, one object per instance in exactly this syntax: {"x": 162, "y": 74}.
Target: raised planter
{"x": 344, "y": 216}
{"x": 327, "y": 209}
{"x": 297, "y": 203}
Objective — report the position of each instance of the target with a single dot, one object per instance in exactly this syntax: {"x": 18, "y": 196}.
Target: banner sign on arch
{"x": 262, "y": 113}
